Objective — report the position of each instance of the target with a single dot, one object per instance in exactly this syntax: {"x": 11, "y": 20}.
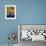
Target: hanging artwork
{"x": 32, "y": 32}
{"x": 10, "y": 11}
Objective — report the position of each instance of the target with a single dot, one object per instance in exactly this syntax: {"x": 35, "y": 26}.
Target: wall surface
{"x": 27, "y": 12}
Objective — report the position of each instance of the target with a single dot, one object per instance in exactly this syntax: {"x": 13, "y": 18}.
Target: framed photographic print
{"x": 10, "y": 11}
{"x": 33, "y": 32}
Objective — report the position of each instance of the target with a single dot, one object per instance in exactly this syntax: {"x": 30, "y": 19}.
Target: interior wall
{"x": 27, "y": 12}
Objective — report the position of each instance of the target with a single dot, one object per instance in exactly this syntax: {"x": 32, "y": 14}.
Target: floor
{"x": 31, "y": 43}
{"x": 7, "y": 45}
{"x": 28, "y": 43}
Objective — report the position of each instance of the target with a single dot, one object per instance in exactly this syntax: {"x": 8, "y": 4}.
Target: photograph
{"x": 10, "y": 11}
{"x": 28, "y": 33}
